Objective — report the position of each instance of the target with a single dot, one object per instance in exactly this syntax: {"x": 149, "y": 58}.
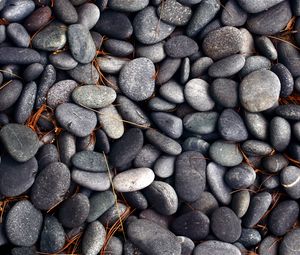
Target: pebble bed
{"x": 156, "y": 127}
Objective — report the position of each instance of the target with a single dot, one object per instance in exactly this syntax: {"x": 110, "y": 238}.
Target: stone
{"x": 233, "y": 14}
{"x": 289, "y": 179}
{"x": 290, "y": 57}
{"x": 240, "y": 177}
{"x": 146, "y": 24}
{"x": 18, "y": 56}
{"x": 195, "y": 144}
{"x": 46, "y": 155}
{"x": 180, "y": 46}
{"x": 63, "y": 61}
{"x": 88, "y": 15}
{"x": 16, "y": 177}
{"x": 128, "y": 6}
{"x": 290, "y": 243}
{"x": 32, "y": 72}
{"x": 164, "y": 166}
{"x": 93, "y": 238}
{"x": 250, "y": 237}
{"x": 286, "y": 79}
{"x": 23, "y": 224}
{"x": 159, "y": 104}
{"x": 66, "y": 147}
{"x": 280, "y": 133}
{"x": 112, "y": 215}
{"x": 147, "y": 156}
{"x": 75, "y": 119}
{"x": 37, "y": 19}
{"x": 16, "y": 10}
{"x": 266, "y": 47}
{"x": 275, "y": 163}
{"x": 257, "y": 125}
{"x": 254, "y": 63}
{"x": 256, "y": 5}
{"x": 240, "y": 202}
{"x": 50, "y": 186}
{"x": 74, "y": 211}
{"x": 89, "y": 161}
{"x": 10, "y": 93}
{"x": 86, "y": 74}
{"x": 20, "y": 141}
{"x": 154, "y": 52}
{"x": 118, "y": 48}
{"x": 151, "y": 234}
{"x": 222, "y": 42}
{"x": 167, "y": 69}
{"x": 256, "y": 148}
{"x": 136, "y": 199}
{"x": 65, "y": 11}
{"x": 18, "y": 34}
{"x": 111, "y": 64}
{"x": 216, "y": 248}
{"x": 259, "y": 90}
{"x": 136, "y": 79}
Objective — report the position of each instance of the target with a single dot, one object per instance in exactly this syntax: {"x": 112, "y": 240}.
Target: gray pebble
{"x": 136, "y": 199}
{"x": 290, "y": 243}
{"x": 216, "y": 248}
{"x": 16, "y": 10}
{"x": 187, "y": 245}
{"x": 280, "y": 133}
{"x": 290, "y": 57}
{"x": 195, "y": 144}
{"x": 225, "y": 92}
{"x": 147, "y": 156}
{"x": 65, "y": 11}
{"x": 159, "y": 104}
{"x": 86, "y": 74}
{"x": 172, "y": 91}
{"x": 46, "y": 155}
{"x": 266, "y": 47}
{"x": 257, "y": 6}
{"x": 32, "y": 72}
{"x": 93, "y": 238}
{"x": 257, "y": 125}
{"x": 249, "y": 237}
{"x": 89, "y": 161}
{"x": 114, "y": 246}
{"x": 164, "y": 166}
{"x": 240, "y": 177}
{"x": 233, "y": 14}
{"x": 240, "y": 202}
{"x": 111, "y": 64}
{"x": 67, "y": 147}
{"x": 18, "y": 34}
{"x": 180, "y": 46}
{"x": 154, "y": 52}
{"x": 167, "y": 69}
{"x": 200, "y": 66}
{"x": 254, "y": 63}
{"x": 286, "y": 79}
{"x": 268, "y": 246}
{"x": 112, "y": 215}
{"x": 63, "y": 61}
{"x": 128, "y": 6}
{"x": 88, "y": 15}
{"x": 118, "y": 48}
{"x": 18, "y": 56}
{"x": 256, "y": 148}
{"x": 289, "y": 179}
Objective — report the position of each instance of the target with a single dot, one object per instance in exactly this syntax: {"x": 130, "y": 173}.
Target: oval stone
{"x": 92, "y": 180}
{"x": 38, "y": 19}
{"x": 180, "y": 46}
{"x": 290, "y": 180}
{"x": 63, "y": 61}
{"x": 133, "y": 179}
{"x": 216, "y": 248}
{"x": 290, "y": 243}
{"x": 240, "y": 177}
{"x": 93, "y": 238}
{"x": 16, "y": 10}
{"x": 256, "y": 6}
{"x": 201, "y": 122}
{"x": 280, "y": 133}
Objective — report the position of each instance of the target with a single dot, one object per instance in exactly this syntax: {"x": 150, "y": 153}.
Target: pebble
{"x": 18, "y": 34}
{"x": 74, "y": 211}
{"x": 136, "y": 79}
{"x": 146, "y": 156}
{"x": 225, "y": 153}
{"x": 162, "y": 197}
{"x": 16, "y": 10}
{"x": 227, "y": 66}
{"x": 240, "y": 202}
{"x": 168, "y": 124}
{"x": 194, "y": 225}
{"x": 52, "y": 235}
{"x": 133, "y": 179}
{"x": 63, "y": 61}
{"x": 180, "y": 46}
{"x": 174, "y": 13}
{"x": 60, "y": 93}
{"x": 10, "y": 93}
{"x": 164, "y": 166}
{"x": 114, "y": 24}
{"x": 222, "y": 42}
{"x": 118, "y": 48}
{"x": 215, "y": 179}
{"x": 200, "y": 66}
{"x": 216, "y": 248}
{"x": 154, "y": 52}
{"x": 66, "y": 147}
{"x": 23, "y": 224}
{"x": 92, "y": 180}
{"x": 290, "y": 243}
{"x": 290, "y": 57}
{"x": 18, "y": 56}
{"x": 51, "y": 38}
{"x": 225, "y": 92}
{"x": 100, "y": 202}
{"x": 231, "y": 126}
{"x": 226, "y": 225}
{"x": 75, "y": 119}
{"x": 164, "y": 143}
{"x": 172, "y": 91}
{"x": 256, "y": 148}
{"x": 275, "y": 163}
{"x": 257, "y": 6}
{"x": 65, "y": 11}
{"x": 249, "y": 237}
{"x": 240, "y": 177}
{"x": 136, "y": 199}
{"x": 195, "y": 144}
{"x": 146, "y": 24}
{"x": 46, "y": 155}
{"x": 268, "y": 246}
{"x": 93, "y": 238}
{"x": 286, "y": 79}
{"x": 151, "y": 234}
{"x": 167, "y": 69}
{"x": 114, "y": 246}
{"x": 20, "y": 141}
{"x": 19, "y": 176}
{"x": 289, "y": 179}
{"x": 112, "y": 215}
{"x": 111, "y": 64}
{"x": 259, "y": 90}
{"x": 111, "y": 122}
{"x": 264, "y": 23}
{"x": 196, "y": 93}
{"x": 86, "y": 74}
{"x": 233, "y": 14}
{"x": 280, "y": 133}
{"x": 126, "y": 149}
{"x": 89, "y": 161}
{"x": 259, "y": 204}
{"x": 81, "y": 43}
{"x": 254, "y": 63}
{"x": 201, "y": 122}
{"x": 204, "y": 13}
{"x": 283, "y": 217}
{"x": 257, "y": 125}
{"x": 38, "y": 18}
{"x": 266, "y": 47}
{"x": 50, "y": 186}
{"x": 190, "y": 175}
{"x": 32, "y": 72}
{"x": 88, "y": 15}
{"x": 132, "y": 112}
{"x": 159, "y": 104}
{"x": 24, "y": 250}
{"x": 187, "y": 245}
{"x": 129, "y": 6}
{"x": 25, "y": 103}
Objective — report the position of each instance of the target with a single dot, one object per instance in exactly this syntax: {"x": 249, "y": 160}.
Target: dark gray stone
{"x": 18, "y": 34}
{"x": 289, "y": 179}
{"x": 46, "y": 155}
{"x": 268, "y": 246}
{"x": 290, "y": 57}
{"x": 18, "y": 56}
{"x": 254, "y": 63}
{"x": 240, "y": 177}
{"x": 32, "y": 72}
{"x": 233, "y": 14}
{"x": 89, "y": 161}
{"x": 93, "y": 238}
{"x": 167, "y": 69}
{"x": 256, "y": 148}
{"x": 275, "y": 163}
{"x": 136, "y": 199}
{"x": 112, "y": 215}
{"x": 66, "y": 147}
{"x": 129, "y": 6}
{"x": 86, "y": 74}
{"x": 155, "y": 52}
{"x": 280, "y": 133}
{"x": 201, "y": 122}
{"x": 180, "y": 46}
{"x": 16, "y": 10}
{"x": 195, "y": 144}
{"x": 146, "y": 156}
{"x": 290, "y": 243}
{"x": 216, "y": 248}
{"x": 257, "y": 125}
{"x": 65, "y": 11}
{"x": 63, "y": 61}
{"x": 118, "y": 48}
{"x": 225, "y": 92}
{"x": 249, "y": 237}
{"x": 240, "y": 202}
{"x": 266, "y": 47}
{"x": 200, "y": 66}
{"x": 286, "y": 79}
{"x": 256, "y": 5}
{"x": 88, "y": 15}
{"x": 10, "y": 93}
{"x": 159, "y": 104}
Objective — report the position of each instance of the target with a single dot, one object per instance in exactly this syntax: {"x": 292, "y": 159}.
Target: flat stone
{"x": 204, "y": 13}
{"x": 180, "y": 46}
{"x": 37, "y": 19}
{"x": 257, "y": 125}
{"x": 75, "y": 119}
{"x": 74, "y": 211}
{"x": 233, "y": 14}
{"x": 155, "y": 52}
{"x": 240, "y": 202}
{"x": 225, "y": 153}
{"x": 65, "y": 11}
{"x": 259, "y": 204}
{"x": 20, "y": 141}
{"x": 133, "y": 179}
{"x": 50, "y": 186}
{"x": 89, "y": 161}
{"x": 88, "y": 15}
{"x": 216, "y": 182}
{"x": 256, "y": 5}
{"x": 240, "y": 177}
{"x": 112, "y": 215}
{"x": 136, "y": 79}
{"x": 225, "y": 92}
{"x": 162, "y": 197}
{"x": 280, "y": 133}
{"x": 111, "y": 122}
{"x": 16, "y": 10}
{"x": 63, "y": 61}
{"x": 23, "y": 224}
{"x": 151, "y": 234}
{"x": 93, "y": 238}
{"x": 146, "y": 24}
{"x": 289, "y": 179}
{"x": 81, "y": 43}
{"x": 15, "y": 177}
{"x": 231, "y": 126}
{"x": 18, "y": 34}
{"x": 86, "y": 74}
{"x": 222, "y": 42}
{"x": 60, "y": 92}
{"x": 51, "y": 38}
{"x": 259, "y": 90}
{"x": 18, "y": 56}
{"x": 216, "y": 248}
{"x": 263, "y": 23}
{"x": 10, "y": 93}
{"x": 118, "y": 48}
{"x": 52, "y": 235}
{"x": 147, "y": 156}
{"x": 190, "y": 175}
{"x": 196, "y": 93}
{"x": 174, "y": 13}
{"x": 194, "y": 225}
